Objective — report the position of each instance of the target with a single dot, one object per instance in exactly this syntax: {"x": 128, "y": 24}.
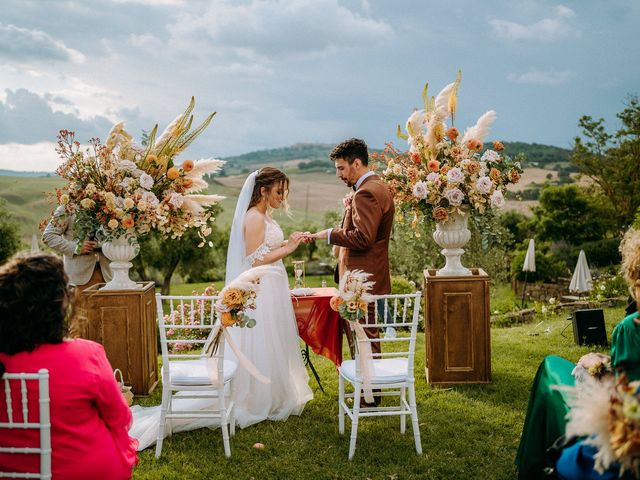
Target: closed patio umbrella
{"x": 581, "y": 280}
{"x": 529, "y": 265}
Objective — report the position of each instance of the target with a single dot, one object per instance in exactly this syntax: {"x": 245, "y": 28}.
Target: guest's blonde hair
{"x": 630, "y": 249}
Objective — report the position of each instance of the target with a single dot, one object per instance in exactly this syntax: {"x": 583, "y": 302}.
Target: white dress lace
{"x": 272, "y": 346}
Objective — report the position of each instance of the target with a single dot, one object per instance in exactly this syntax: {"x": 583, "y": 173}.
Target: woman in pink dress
{"x": 89, "y": 416}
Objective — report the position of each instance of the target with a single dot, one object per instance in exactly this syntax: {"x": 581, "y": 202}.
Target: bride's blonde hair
{"x": 270, "y": 177}
{"x": 630, "y": 249}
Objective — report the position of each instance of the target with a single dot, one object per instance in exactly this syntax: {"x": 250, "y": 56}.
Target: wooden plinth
{"x": 457, "y": 328}
{"x": 124, "y": 322}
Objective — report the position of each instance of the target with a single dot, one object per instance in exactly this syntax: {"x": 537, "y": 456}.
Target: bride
{"x": 272, "y": 345}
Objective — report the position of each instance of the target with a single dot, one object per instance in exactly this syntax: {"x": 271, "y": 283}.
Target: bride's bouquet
{"x": 353, "y": 295}
{"x": 239, "y": 296}
{"x": 122, "y": 188}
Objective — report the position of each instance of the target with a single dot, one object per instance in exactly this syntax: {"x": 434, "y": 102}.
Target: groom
{"x": 363, "y": 238}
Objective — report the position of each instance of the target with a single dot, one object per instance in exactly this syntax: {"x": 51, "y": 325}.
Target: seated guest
{"x": 547, "y": 409}
{"x": 89, "y": 416}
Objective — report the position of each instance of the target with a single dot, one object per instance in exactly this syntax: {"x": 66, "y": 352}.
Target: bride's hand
{"x": 293, "y": 242}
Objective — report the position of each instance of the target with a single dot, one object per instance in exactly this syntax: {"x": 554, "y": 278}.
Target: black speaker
{"x": 588, "y": 327}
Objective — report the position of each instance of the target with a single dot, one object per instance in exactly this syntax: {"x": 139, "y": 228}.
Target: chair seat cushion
{"x": 194, "y": 372}
{"x": 386, "y": 370}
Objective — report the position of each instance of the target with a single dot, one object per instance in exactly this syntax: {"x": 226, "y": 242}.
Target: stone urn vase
{"x": 121, "y": 251}
{"x": 452, "y": 235}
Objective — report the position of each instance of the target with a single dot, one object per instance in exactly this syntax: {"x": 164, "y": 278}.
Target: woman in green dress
{"x": 546, "y": 413}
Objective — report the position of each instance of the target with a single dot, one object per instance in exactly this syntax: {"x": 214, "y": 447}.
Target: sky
{"x": 280, "y": 72}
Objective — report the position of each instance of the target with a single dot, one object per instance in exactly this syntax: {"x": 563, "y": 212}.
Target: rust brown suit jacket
{"x": 364, "y": 235}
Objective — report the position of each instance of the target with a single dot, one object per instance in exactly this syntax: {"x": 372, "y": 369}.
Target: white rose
{"x": 128, "y": 203}
{"x": 176, "y": 200}
{"x": 490, "y": 156}
{"x": 455, "y": 175}
{"x": 420, "y": 190}
{"x": 484, "y": 185}
{"x": 146, "y": 181}
{"x": 126, "y": 181}
{"x": 497, "y": 199}
{"x": 455, "y": 196}
{"x": 150, "y": 198}
{"x": 113, "y": 223}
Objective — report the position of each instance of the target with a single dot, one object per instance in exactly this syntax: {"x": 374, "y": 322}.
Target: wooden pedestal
{"x": 124, "y": 322}
{"x": 457, "y": 328}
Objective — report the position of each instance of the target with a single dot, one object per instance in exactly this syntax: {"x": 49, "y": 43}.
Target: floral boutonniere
{"x": 347, "y": 200}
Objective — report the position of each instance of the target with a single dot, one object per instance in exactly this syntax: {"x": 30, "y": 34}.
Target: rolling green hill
{"x": 314, "y": 189}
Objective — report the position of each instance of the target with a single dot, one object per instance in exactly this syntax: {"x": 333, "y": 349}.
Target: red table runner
{"x": 318, "y": 325}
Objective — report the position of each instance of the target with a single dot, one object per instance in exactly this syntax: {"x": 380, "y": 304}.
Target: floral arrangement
{"x": 608, "y": 413}
{"x": 594, "y": 365}
{"x": 353, "y": 295}
{"x": 121, "y": 188}
{"x": 444, "y": 171}
{"x": 239, "y": 296}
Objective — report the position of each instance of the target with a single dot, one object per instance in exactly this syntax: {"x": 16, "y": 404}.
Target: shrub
{"x": 609, "y": 286}
{"x": 601, "y": 253}
{"x": 548, "y": 267}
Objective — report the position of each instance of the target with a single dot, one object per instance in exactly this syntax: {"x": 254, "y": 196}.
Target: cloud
{"x": 28, "y": 118}
{"x": 39, "y": 157}
{"x": 556, "y": 27}
{"x": 535, "y": 77}
{"x": 280, "y": 27}
{"x": 21, "y": 44}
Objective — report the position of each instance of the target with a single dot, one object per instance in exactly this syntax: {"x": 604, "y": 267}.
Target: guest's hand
{"x": 88, "y": 246}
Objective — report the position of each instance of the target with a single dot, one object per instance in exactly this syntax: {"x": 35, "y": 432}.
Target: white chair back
{"x": 186, "y": 328}
{"x": 19, "y": 418}
{"x": 400, "y": 311}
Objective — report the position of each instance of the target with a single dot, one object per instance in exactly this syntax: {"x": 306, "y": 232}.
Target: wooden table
{"x": 319, "y": 326}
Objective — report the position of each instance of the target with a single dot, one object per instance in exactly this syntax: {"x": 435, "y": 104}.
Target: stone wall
{"x": 542, "y": 292}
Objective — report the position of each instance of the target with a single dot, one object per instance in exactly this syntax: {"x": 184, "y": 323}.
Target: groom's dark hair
{"x": 349, "y": 150}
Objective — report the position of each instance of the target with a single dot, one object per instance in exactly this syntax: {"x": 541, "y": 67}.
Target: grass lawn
{"x": 468, "y": 432}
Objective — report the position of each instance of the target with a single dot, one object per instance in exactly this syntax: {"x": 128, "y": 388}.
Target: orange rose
{"x": 187, "y": 182}
{"x": 472, "y": 167}
{"x": 415, "y": 157}
{"x": 498, "y": 146}
{"x": 433, "y": 165}
{"x": 227, "y": 319}
{"x": 187, "y": 165}
{"x": 335, "y": 303}
{"x": 173, "y": 173}
{"x": 452, "y": 133}
{"x": 232, "y": 297}
{"x": 127, "y": 222}
{"x": 474, "y": 144}
{"x": 440, "y": 214}
{"x": 494, "y": 174}
{"x": 514, "y": 176}
{"x": 444, "y": 169}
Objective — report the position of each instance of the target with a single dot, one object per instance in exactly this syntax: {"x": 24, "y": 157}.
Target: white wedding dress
{"x": 272, "y": 345}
